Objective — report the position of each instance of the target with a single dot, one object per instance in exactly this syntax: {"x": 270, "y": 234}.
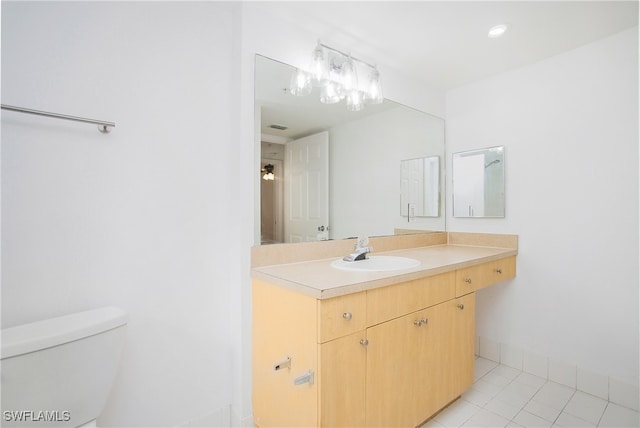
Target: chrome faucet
{"x": 360, "y": 252}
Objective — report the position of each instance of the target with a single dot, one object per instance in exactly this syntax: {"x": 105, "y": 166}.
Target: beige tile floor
{"x": 502, "y": 396}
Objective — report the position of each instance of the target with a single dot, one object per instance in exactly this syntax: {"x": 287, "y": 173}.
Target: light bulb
{"x": 497, "y": 30}
{"x": 318, "y": 66}
{"x": 374, "y": 91}
{"x": 354, "y": 100}
{"x": 349, "y": 76}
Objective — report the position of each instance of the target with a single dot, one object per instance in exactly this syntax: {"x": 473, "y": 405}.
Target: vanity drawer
{"x": 341, "y": 316}
{"x": 397, "y": 300}
{"x": 476, "y": 277}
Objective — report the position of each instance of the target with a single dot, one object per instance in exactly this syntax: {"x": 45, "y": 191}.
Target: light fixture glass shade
{"x": 336, "y": 74}
{"x": 354, "y": 100}
{"x": 374, "y": 89}
{"x": 318, "y": 66}
{"x": 330, "y": 93}
{"x": 300, "y": 83}
{"x": 348, "y": 76}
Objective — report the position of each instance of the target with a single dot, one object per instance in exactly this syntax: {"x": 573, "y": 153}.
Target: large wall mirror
{"x": 356, "y": 189}
{"x": 478, "y": 183}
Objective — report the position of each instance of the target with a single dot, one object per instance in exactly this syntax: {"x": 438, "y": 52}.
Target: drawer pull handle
{"x": 467, "y": 280}
{"x": 364, "y": 342}
{"x": 421, "y": 321}
{"x": 499, "y": 270}
{"x": 460, "y": 306}
{"x": 347, "y": 316}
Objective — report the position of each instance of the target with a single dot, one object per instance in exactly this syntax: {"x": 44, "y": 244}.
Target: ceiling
{"x": 441, "y": 43}
{"x": 445, "y": 43}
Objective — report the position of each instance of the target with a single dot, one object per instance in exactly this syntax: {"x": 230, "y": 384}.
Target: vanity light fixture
{"x": 268, "y": 172}
{"x": 497, "y": 31}
{"x": 336, "y": 74}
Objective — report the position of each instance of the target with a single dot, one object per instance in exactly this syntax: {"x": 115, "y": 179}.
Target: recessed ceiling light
{"x": 498, "y": 30}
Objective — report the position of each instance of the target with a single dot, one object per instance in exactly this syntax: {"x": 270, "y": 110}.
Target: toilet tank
{"x": 58, "y": 372}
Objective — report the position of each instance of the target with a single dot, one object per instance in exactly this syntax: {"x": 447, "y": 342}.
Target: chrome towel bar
{"x": 103, "y": 125}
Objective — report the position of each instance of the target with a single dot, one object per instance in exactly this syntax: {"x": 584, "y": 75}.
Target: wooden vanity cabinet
{"x": 390, "y": 356}
{"x": 483, "y": 275}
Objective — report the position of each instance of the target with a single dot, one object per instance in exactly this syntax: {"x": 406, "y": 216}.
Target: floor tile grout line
{"x": 565, "y": 406}
{"x": 603, "y": 412}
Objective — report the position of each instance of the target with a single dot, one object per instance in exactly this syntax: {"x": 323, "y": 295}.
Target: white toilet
{"x": 58, "y": 372}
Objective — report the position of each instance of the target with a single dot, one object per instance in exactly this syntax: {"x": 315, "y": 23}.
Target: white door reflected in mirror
{"x": 420, "y": 187}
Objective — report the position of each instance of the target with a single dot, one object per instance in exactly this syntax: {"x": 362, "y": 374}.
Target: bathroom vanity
{"x": 335, "y": 347}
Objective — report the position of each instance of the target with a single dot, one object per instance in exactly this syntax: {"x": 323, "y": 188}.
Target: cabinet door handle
{"x": 364, "y": 342}
{"x": 460, "y": 306}
{"x": 467, "y": 280}
{"x": 286, "y": 363}
{"x": 499, "y": 270}
{"x": 347, "y": 316}
{"x": 421, "y": 321}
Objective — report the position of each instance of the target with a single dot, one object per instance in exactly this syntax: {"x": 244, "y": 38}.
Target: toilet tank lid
{"x": 51, "y": 332}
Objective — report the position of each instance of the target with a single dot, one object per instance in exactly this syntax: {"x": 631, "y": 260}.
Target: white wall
{"x": 139, "y": 218}
{"x": 569, "y": 125}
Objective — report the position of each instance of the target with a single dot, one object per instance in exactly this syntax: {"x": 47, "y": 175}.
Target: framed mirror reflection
{"x": 478, "y": 183}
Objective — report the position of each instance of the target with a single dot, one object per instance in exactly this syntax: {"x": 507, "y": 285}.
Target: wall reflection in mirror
{"x": 478, "y": 183}
{"x": 365, "y": 150}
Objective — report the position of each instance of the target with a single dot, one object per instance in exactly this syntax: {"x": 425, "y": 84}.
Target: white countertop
{"x": 319, "y": 280}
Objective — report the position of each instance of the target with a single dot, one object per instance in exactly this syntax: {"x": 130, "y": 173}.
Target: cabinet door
{"x": 393, "y": 355}
{"x": 463, "y": 344}
{"x": 435, "y": 361}
{"x": 343, "y": 368}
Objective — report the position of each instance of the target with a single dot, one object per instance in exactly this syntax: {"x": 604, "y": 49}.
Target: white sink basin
{"x": 377, "y": 264}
